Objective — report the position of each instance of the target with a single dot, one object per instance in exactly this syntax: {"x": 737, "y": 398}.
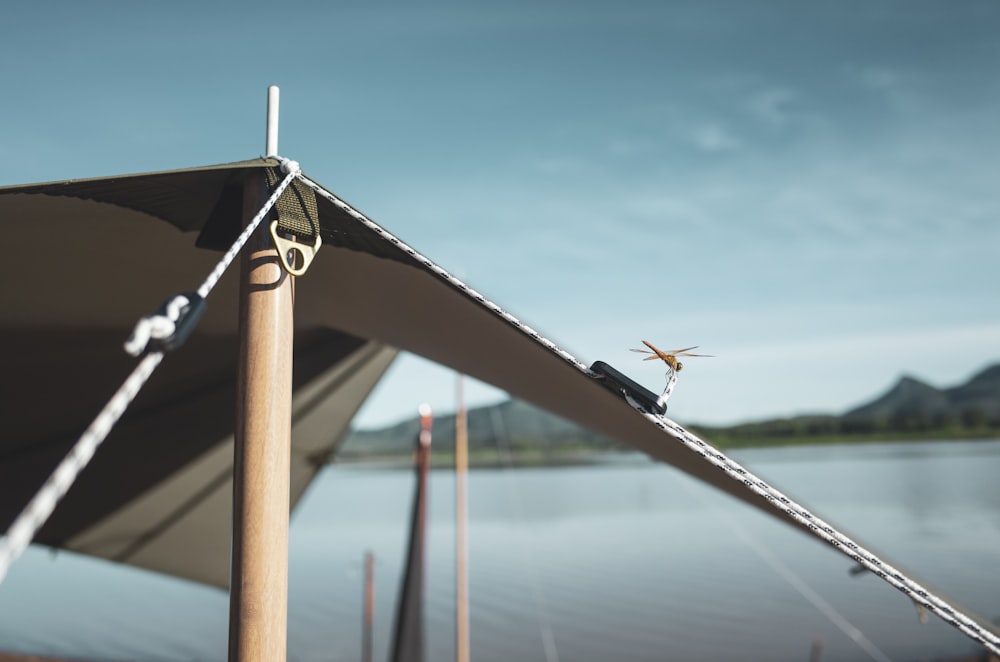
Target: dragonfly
{"x": 669, "y": 357}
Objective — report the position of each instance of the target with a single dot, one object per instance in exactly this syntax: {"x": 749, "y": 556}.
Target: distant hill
{"x": 512, "y": 424}
{"x": 908, "y": 397}
{"x": 979, "y": 397}
{"x": 910, "y": 408}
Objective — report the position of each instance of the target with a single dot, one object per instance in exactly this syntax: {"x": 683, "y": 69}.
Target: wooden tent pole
{"x": 258, "y": 612}
{"x": 461, "y": 523}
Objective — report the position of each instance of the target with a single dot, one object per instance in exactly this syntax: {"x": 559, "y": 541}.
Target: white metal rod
{"x": 272, "y": 120}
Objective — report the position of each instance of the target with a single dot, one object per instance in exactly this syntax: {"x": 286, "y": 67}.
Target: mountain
{"x": 981, "y": 393}
{"x": 909, "y": 407}
{"x": 978, "y": 398}
{"x": 908, "y": 397}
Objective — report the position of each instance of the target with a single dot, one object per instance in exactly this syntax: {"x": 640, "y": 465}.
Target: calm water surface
{"x": 625, "y": 560}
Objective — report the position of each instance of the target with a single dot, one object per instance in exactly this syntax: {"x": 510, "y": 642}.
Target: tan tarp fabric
{"x": 158, "y": 493}
{"x": 86, "y": 259}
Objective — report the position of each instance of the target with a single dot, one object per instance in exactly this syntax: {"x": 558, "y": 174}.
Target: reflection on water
{"x": 626, "y": 561}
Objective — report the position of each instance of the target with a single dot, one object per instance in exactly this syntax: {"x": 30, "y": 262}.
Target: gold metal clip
{"x": 296, "y": 256}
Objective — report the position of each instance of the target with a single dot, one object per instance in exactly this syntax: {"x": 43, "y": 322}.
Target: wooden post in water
{"x": 461, "y": 522}
{"x": 408, "y": 632}
{"x": 258, "y": 608}
{"x": 367, "y": 624}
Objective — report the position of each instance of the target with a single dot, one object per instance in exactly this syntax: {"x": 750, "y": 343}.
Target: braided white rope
{"x": 442, "y": 273}
{"x": 291, "y": 170}
{"x": 38, "y": 510}
{"x": 22, "y": 531}
{"x": 163, "y": 326}
{"x": 825, "y": 531}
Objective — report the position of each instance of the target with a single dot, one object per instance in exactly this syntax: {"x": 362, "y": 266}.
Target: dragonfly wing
{"x": 659, "y": 352}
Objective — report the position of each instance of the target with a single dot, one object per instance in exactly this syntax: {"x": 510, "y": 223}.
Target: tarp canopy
{"x": 87, "y": 258}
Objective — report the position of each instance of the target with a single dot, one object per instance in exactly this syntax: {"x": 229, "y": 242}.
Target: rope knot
{"x": 169, "y": 326}
{"x": 288, "y": 166}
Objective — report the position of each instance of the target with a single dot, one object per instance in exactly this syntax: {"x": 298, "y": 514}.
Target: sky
{"x": 807, "y": 191}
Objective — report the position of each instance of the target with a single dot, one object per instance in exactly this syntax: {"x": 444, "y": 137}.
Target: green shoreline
{"x": 486, "y": 459}
{"x": 567, "y": 454}
{"x": 724, "y": 439}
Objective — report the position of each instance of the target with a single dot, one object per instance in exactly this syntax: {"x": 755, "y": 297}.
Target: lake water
{"x": 624, "y": 560}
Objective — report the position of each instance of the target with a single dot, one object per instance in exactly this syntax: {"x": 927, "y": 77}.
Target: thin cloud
{"x": 878, "y": 78}
{"x": 715, "y": 137}
{"x": 772, "y": 106}
{"x": 560, "y": 165}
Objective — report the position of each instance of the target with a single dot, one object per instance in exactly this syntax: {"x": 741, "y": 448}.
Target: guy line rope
{"x": 156, "y": 333}
{"x": 839, "y": 541}
{"x": 826, "y": 532}
{"x": 919, "y": 594}
{"x": 24, "y": 528}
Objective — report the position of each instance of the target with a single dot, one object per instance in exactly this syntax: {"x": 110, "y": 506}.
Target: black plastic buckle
{"x": 618, "y": 383}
